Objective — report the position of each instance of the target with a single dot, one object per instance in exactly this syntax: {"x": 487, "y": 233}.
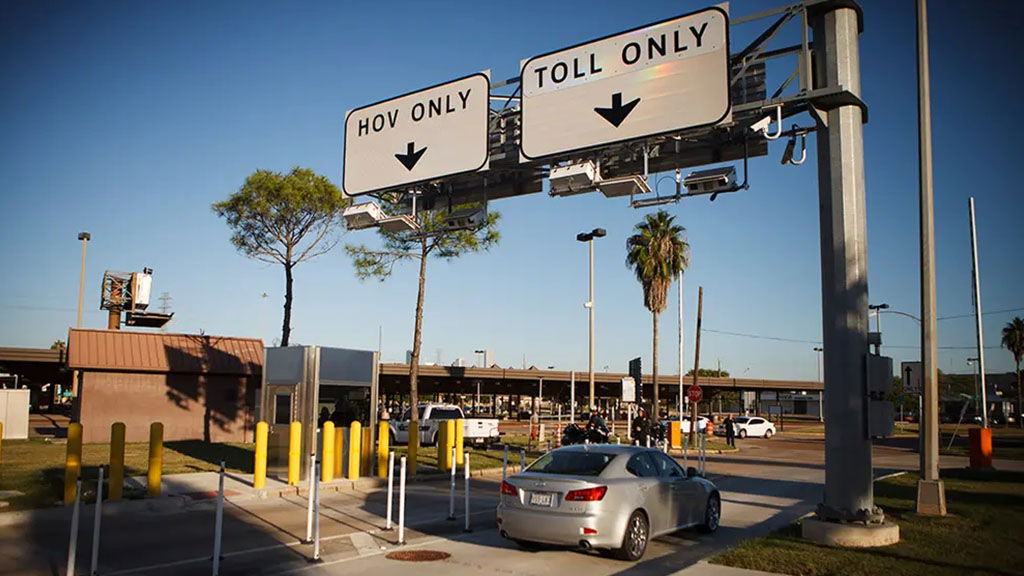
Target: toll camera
{"x": 712, "y": 181}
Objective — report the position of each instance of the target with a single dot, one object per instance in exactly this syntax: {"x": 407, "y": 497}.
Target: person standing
{"x": 730, "y": 431}
{"x": 641, "y": 427}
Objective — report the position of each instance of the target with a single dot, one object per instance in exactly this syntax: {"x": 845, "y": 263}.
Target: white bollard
{"x": 316, "y": 504}
{"x": 96, "y": 526}
{"x": 73, "y": 542}
{"x": 451, "y": 490}
{"x": 629, "y": 423}
{"x": 401, "y": 504}
{"x": 522, "y": 460}
{"x": 309, "y": 505}
{"x": 504, "y": 464}
{"x": 218, "y": 524}
{"x": 466, "y": 470}
{"x": 648, "y": 440}
{"x": 686, "y": 451}
{"x": 618, "y": 440}
{"x": 391, "y": 486}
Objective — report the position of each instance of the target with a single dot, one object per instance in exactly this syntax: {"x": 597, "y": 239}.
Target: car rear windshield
{"x": 572, "y": 463}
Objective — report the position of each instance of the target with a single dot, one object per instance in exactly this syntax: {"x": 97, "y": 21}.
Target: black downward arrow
{"x": 617, "y": 113}
{"x": 411, "y": 156}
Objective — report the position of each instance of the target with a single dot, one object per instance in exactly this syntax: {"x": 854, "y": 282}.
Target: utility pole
{"x": 696, "y": 361}
{"x": 84, "y": 237}
{"x": 931, "y": 493}
{"x": 976, "y": 285}
{"x": 165, "y": 299}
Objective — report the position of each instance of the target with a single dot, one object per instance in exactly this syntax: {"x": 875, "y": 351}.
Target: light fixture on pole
{"x": 878, "y": 323}
{"x": 588, "y": 237}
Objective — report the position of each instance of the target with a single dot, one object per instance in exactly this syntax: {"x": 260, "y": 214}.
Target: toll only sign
{"x": 424, "y": 135}
{"x": 658, "y": 79}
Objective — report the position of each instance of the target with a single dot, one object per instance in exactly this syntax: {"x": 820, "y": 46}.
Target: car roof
{"x": 616, "y": 449}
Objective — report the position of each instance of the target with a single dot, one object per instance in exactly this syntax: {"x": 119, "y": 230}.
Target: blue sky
{"x": 129, "y": 119}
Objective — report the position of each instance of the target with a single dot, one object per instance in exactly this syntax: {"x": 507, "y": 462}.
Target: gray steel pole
{"x": 591, "y": 363}
{"x": 680, "y": 345}
{"x": 848, "y": 493}
{"x": 84, "y": 237}
{"x": 976, "y": 284}
{"x": 931, "y": 497}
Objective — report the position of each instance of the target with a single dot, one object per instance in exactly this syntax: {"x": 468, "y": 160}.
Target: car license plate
{"x": 540, "y": 499}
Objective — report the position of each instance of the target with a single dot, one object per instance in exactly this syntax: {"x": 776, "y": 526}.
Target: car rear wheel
{"x": 768, "y": 433}
{"x": 742, "y": 434}
{"x": 634, "y": 541}
{"x": 712, "y": 515}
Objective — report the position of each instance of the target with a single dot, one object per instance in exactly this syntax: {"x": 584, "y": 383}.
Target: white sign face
{"x": 657, "y": 79}
{"x": 628, "y": 389}
{"x": 913, "y": 377}
{"x": 424, "y": 135}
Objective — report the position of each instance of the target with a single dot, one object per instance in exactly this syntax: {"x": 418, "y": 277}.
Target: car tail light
{"x": 508, "y": 489}
{"x": 586, "y": 495}
{"x": 589, "y": 530}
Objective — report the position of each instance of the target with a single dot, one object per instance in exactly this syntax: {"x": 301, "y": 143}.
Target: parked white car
{"x": 748, "y": 426}
{"x": 475, "y": 430}
{"x": 702, "y": 424}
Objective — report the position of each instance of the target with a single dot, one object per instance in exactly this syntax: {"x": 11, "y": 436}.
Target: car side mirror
{"x": 691, "y": 472}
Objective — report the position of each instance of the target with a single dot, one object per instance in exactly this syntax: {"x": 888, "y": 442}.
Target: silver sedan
{"x": 608, "y": 497}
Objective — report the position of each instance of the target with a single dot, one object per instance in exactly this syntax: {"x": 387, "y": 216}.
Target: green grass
{"x": 981, "y": 535}
{"x": 36, "y": 467}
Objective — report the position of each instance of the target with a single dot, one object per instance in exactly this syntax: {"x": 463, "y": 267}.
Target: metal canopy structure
{"x": 824, "y": 83}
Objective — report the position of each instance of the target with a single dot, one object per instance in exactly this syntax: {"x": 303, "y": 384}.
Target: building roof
{"x": 122, "y": 350}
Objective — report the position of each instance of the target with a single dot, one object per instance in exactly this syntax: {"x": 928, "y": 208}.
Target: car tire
{"x": 635, "y": 538}
{"x": 742, "y": 434}
{"x": 768, "y": 433}
{"x": 712, "y": 515}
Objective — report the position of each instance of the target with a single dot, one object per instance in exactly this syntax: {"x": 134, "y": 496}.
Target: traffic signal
{"x": 636, "y": 372}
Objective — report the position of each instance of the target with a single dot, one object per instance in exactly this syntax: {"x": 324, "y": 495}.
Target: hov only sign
{"x": 424, "y": 135}
{"x": 658, "y": 79}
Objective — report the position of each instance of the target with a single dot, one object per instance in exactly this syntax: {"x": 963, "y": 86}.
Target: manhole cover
{"x": 418, "y": 555}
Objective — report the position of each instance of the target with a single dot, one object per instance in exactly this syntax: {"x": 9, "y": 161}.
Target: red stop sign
{"x": 694, "y": 393}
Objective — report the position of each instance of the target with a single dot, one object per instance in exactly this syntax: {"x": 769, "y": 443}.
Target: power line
{"x": 971, "y": 314}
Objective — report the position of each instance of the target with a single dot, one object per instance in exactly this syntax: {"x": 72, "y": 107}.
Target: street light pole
{"x": 976, "y": 285}
{"x": 588, "y": 237}
{"x": 878, "y": 324}
{"x": 821, "y": 414}
{"x": 84, "y": 237}
{"x": 931, "y": 493}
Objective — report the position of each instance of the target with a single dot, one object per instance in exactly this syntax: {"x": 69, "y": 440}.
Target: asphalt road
{"x": 767, "y": 485}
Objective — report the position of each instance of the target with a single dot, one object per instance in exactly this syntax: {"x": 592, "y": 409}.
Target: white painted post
{"x": 73, "y": 542}
{"x": 504, "y": 464}
{"x": 316, "y": 504}
{"x": 466, "y": 471}
{"x": 522, "y": 460}
{"x": 391, "y": 486}
{"x": 218, "y": 524}
{"x": 309, "y": 505}
{"x": 96, "y": 526}
{"x": 648, "y": 440}
{"x": 629, "y": 422}
{"x": 451, "y": 489}
{"x": 618, "y": 440}
{"x": 401, "y": 504}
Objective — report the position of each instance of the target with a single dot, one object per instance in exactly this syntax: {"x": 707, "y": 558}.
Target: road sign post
{"x": 421, "y": 136}
{"x": 657, "y": 79}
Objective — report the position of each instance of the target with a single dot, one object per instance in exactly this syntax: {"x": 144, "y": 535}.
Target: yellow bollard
{"x": 675, "y": 434}
{"x": 460, "y": 432}
{"x": 383, "y": 445}
{"x": 156, "y": 458}
{"x": 327, "y": 458}
{"x": 355, "y": 441}
{"x": 259, "y": 468}
{"x": 339, "y": 451}
{"x": 366, "y": 456}
{"x": 294, "y": 453}
{"x": 73, "y": 461}
{"x": 413, "y": 452}
{"x": 440, "y": 444}
{"x": 1, "y": 441}
{"x": 116, "y": 461}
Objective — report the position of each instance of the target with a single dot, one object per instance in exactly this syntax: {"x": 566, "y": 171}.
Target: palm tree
{"x": 657, "y": 253}
{"x": 1013, "y": 340}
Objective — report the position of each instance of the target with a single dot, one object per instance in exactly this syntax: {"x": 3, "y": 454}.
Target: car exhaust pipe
{"x": 585, "y": 544}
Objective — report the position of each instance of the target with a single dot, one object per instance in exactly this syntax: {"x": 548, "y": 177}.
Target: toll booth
{"x": 312, "y": 384}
